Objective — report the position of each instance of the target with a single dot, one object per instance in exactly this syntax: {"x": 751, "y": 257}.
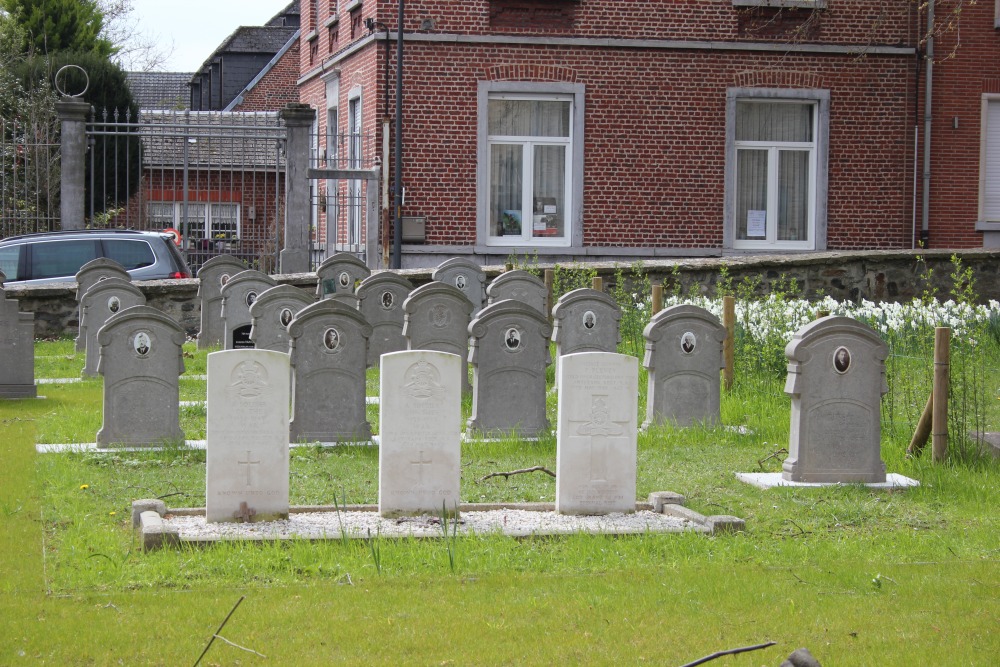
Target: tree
{"x": 60, "y": 25}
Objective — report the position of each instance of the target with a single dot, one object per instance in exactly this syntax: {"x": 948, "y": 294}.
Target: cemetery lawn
{"x": 859, "y": 577}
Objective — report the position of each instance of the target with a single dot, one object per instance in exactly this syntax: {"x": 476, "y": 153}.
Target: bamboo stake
{"x": 657, "y": 299}
{"x": 923, "y": 430}
{"x": 729, "y": 345}
{"x": 598, "y": 284}
{"x": 939, "y": 414}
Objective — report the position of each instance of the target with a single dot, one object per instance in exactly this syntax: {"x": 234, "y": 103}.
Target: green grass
{"x": 858, "y": 576}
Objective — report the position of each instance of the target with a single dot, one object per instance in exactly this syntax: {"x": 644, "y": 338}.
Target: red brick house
{"x": 600, "y": 129}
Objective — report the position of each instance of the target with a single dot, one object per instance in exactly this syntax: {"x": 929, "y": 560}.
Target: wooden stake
{"x": 939, "y": 412}
{"x": 923, "y": 430}
{"x": 598, "y": 284}
{"x": 657, "y": 299}
{"x": 729, "y": 345}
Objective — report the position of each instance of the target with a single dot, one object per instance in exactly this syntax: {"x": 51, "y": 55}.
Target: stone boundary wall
{"x": 895, "y": 275}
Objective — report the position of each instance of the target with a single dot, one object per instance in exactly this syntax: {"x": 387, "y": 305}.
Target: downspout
{"x": 397, "y": 204}
{"x": 928, "y": 97}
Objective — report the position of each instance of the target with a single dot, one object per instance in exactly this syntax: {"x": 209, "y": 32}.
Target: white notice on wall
{"x": 756, "y": 223}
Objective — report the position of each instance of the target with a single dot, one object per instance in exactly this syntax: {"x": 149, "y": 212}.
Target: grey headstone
{"x": 141, "y": 357}
{"x": 520, "y": 286}
{"x": 329, "y": 354}
{"x": 596, "y": 438}
{"x": 380, "y": 299}
{"x": 420, "y": 443}
{"x": 246, "y": 455}
{"x": 101, "y": 301}
{"x": 437, "y": 318}
{"x": 212, "y": 275}
{"x": 238, "y": 294}
{"x": 836, "y": 378}
{"x": 585, "y": 320}
{"x": 465, "y": 275}
{"x": 271, "y": 314}
{"x": 17, "y": 349}
{"x": 683, "y": 357}
{"x": 90, "y": 274}
{"x": 339, "y": 275}
{"x": 509, "y": 343}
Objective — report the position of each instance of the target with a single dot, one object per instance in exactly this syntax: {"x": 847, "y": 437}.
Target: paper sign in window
{"x": 757, "y": 223}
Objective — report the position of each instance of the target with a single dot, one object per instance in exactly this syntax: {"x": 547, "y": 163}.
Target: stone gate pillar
{"x": 73, "y": 137}
{"x": 294, "y": 256}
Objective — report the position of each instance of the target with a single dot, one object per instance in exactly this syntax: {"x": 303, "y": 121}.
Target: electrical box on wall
{"x": 414, "y": 229}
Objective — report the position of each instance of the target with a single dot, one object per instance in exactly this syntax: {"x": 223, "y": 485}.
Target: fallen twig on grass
{"x": 761, "y": 462}
{"x": 216, "y": 635}
{"x": 508, "y": 473}
{"x": 732, "y": 651}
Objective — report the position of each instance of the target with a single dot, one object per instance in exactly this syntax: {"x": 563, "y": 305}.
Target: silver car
{"x": 35, "y": 259}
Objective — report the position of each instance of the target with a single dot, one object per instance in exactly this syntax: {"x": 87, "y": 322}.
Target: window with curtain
{"x": 989, "y": 174}
{"x": 529, "y": 153}
{"x": 211, "y": 221}
{"x": 775, "y": 181}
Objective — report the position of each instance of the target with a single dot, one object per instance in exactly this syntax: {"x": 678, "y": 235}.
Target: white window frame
{"x": 204, "y": 226}
{"x": 986, "y": 221}
{"x": 818, "y": 172}
{"x": 355, "y": 160}
{"x": 573, "y": 220}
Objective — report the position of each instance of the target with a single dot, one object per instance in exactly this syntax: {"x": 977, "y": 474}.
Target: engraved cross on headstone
{"x": 599, "y": 427}
{"x": 248, "y": 463}
{"x": 245, "y": 513}
{"x": 420, "y": 463}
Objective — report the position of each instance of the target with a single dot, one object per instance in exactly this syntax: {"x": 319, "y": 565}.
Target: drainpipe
{"x": 928, "y": 96}
{"x": 397, "y": 195}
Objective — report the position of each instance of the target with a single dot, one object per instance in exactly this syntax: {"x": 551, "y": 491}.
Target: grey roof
{"x": 225, "y": 140}
{"x": 160, "y": 90}
{"x": 251, "y": 39}
{"x": 289, "y": 16}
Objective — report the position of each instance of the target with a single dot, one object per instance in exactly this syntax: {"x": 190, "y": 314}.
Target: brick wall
{"x": 276, "y": 88}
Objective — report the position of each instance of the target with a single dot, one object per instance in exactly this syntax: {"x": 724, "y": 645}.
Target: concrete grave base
{"x": 989, "y": 442}
{"x": 188, "y": 444}
{"x": 768, "y": 480}
{"x": 159, "y": 526}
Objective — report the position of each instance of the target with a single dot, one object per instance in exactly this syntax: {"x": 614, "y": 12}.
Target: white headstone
{"x": 246, "y": 458}
{"x": 420, "y": 432}
{"x": 596, "y": 440}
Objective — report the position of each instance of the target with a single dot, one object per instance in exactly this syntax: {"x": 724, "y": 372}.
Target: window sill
{"x": 987, "y": 226}
{"x": 333, "y": 20}
{"x": 311, "y": 36}
{"x": 353, "y": 5}
{"x": 805, "y": 4}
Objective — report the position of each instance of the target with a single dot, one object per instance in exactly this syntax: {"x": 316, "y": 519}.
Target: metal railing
{"x": 29, "y": 177}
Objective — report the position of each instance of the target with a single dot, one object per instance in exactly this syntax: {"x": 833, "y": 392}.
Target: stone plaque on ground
{"x": 140, "y": 358}
{"x": 596, "y": 438}
{"x": 836, "y": 378}
{"x": 380, "y": 299}
{"x": 420, "y": 433}
{"x": 238, "y": 294}
{"x": 683, "y": 357}
{"x": 509, "y": 351}
{"x": 271, "y": 314}
{"x": 465, "y": 275}
{"x": 329, "y": 355}
{"x": 520, "y": 286}
{"x": 338, "y": 276}
{"x": 90, "y": 274}
{"x": 212, "y": 275}
{"x": 585, "y": 320}
{"x": 104, "y": 299}
{"x": 17, "y": 349}
{"x": 437, "y": 318}
{"x": 246, "y": 454}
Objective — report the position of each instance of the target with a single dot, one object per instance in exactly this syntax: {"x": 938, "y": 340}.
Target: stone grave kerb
{"x": 520, "y": 286}
{"x": 509, "y": 352}
{"x": 272, "y": 312}
{"x": 428, "y": 314}
{"x": 339, "y": 274}
{"x": 150, "y": 402}
{"x": 104, "y": 299}
{"x": 89, "y": 274}
{"x": 238, "y": 294}
{"x": 328, "y": 348}
{"x": 683, "y": 358}
{"x": 212, "y": 275}
{"x": 17, "y": 337}
{"x": 465, "y": 275}
{"x": 836, "y": 379}
{"x": 380, "y": 299}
